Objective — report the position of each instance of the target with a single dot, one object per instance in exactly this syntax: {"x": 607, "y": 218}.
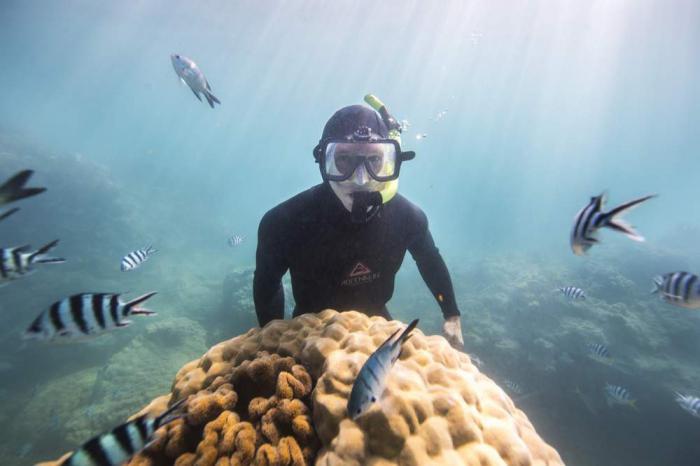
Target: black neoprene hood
{"x": 348, "y": 119}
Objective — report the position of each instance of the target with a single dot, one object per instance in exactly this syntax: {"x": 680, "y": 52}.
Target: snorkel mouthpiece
{"x": 365, "y": 205}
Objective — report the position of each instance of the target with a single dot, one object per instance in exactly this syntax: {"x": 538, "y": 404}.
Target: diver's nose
{"x": 361, "y": 176}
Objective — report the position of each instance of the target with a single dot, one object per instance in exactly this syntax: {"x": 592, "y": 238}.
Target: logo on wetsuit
{"x": 360, "y": 275}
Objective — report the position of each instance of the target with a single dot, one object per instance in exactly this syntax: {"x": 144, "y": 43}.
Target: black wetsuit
{"x": 337, "y": 264}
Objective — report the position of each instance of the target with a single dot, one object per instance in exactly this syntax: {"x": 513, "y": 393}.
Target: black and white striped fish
{"x": 124, "y": 441}
{"x": 235, "y": 240}
{"x": 513, "y": 387}
{"x": 371, "y": 380}
{"x": 573, "y": 293}
{"x": 689, "y": 403}
{"x": 136, "y": 258}
{"x": 19, "y": 261}
{"x": 616, "y": 394}
{"x": 599, "y": 352}
{"x": 84, "y": 315}
{"x": 679, "y": 288}
{"x": 591, "y": 218}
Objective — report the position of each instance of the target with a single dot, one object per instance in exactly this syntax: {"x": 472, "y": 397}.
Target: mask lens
{"x": 343, "y": 158}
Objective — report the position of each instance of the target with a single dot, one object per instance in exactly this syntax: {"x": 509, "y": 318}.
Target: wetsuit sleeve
{"x": 270, "y": 267}
{"x": 432, "y": 268}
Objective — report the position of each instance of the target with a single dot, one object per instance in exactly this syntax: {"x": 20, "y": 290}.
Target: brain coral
{"x": 278, "y": 396}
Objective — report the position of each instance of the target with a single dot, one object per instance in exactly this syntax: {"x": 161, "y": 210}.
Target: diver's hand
{"x": 452, "y": 331}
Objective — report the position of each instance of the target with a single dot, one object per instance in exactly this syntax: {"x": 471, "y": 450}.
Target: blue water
{"x": 547, "y": 104}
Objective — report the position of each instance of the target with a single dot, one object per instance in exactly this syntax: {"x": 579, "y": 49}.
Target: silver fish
{"x": 190, "y": 74}
{"x": 371, "y": 380}
{"x": 136, "y": 258}
{"x": 84, "y": 315}
{"x": 20, "y": 261}
{"x": 679, "y": 288}
{"x": 591, "y": 218}
{"x": 235, "y": 240}
{"x": 691, "y": 404}
{"x": 124, "y": 441}
{"x": 573, "y": 293}
{"x": 616, "y": 394}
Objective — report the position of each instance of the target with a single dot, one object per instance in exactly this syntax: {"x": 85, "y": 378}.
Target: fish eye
{"x": 359, "y": 410}
{"x": 374, "y": 399}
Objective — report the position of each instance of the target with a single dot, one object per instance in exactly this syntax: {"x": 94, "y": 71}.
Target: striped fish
{"x": 371, "y": 380}
{"x": 599, "y": 352}
{"x": 136, "y": 258}
{"x": 615, "y": 394}
{"x": 19, "y": 261}
{"x": 679, "y": 288}
{"x": 84, "y": 315}
{"x": 14, "y": 190}
{"x": 124, "y": 441}
{"x": 689, "y": 403}
{"x": 591, "y": 218}
{"x": 235, "y": 240}
{"x": 573, "y": 293}
{"x": 513, "y": 387}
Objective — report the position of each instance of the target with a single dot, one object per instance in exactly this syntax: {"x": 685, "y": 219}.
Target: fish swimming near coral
{"x": 20, "y": 261}
{"x": 190, "y": 74}
{"x": 124, "y": 441}
{"x": 573, "y": 293}
{"x": 85, "y": 315}
{"x": 14, "y": 190}
{"x": 513, "y": 387}
{"x": 678, "y": 288}
{"x": 690, "y": 404}
{"x": 371, "y": 380}
{"x": 591, "y": 218}
{"x": 615, "y": 394}
{"x": 235, "y": 240}
{"x": 135, "y": 258}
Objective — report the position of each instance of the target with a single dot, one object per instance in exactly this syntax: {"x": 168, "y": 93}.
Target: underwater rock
{"x": 278, "y": 395}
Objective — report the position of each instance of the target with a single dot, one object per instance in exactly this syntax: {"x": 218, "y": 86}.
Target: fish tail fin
{"x": 611, "y": 220}
{"x": 406, "y": 334}
{"x": 38, "y": 256}
{"x": 8, "y": 213}
{"x": 14, "y": 190}
{"x": 633, "y": 405}
{"x": 167, "y": 416}
{"x": 150, "y": 249}
{"x": 211, "y": 98}
{"x": 658, "y": 282}
{"x": 131, "y": 307}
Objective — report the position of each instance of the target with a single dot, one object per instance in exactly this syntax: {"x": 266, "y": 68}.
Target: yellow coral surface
{"x": 437, "y": 408}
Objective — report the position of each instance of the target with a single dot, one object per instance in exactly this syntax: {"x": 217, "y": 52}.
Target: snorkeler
{"x": 344, "y": 240}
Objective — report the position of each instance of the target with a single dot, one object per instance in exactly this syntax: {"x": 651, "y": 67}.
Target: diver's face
{"x": 353, "y": 158}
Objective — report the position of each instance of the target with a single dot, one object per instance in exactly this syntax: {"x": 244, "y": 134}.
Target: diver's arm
{"x": 270, "y": 267}
{"x": 433, "y": 270}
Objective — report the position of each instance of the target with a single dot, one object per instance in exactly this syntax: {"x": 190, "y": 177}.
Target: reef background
{"x": 546, "y": 106}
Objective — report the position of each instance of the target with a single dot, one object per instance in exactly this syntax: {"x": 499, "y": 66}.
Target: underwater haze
{"x": 519, "y": 113}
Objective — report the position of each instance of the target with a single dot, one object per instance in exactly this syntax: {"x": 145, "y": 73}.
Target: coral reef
{"x": 250, "y": 401}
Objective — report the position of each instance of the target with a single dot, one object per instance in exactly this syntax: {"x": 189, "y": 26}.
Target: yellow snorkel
{"x": 391, "y": 187}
